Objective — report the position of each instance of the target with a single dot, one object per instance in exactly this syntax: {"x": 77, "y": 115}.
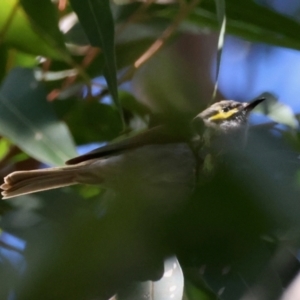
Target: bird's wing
{"x": 156, "y": 135}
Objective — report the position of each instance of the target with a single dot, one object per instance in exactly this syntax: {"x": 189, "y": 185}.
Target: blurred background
{"x": 76, "y": 75}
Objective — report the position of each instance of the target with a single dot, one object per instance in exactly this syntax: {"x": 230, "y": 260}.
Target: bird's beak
{"x": 250, "y": 106}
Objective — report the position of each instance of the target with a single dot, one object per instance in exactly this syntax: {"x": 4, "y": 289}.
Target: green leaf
{"x": 278, "y": 111}
{"x": 283, "y": 114}
{"x": 130, "y": 103}
{"x": 246, "y": 19}
{"x": 4, "y": 147}
{"x": 194, "y": 292}
{"x": 260, "y": 24}
{"x": 127, "y": 53}
{"x": 3, "y": 61}
{"x": 29, "y": 121}
{"x": 20, "y": 59}
{"x": 90, "y": 121}
{"x": 97, "y": 21}
{"x": 16, "y": 29}
{"x": 44, "y": 19}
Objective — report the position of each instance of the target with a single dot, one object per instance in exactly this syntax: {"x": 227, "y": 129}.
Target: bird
{"x": 155, "y": 158}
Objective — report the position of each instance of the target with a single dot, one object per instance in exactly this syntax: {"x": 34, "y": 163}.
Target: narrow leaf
{"x": 97, "y": 21}
{"x": 220, "y": 5}
{"x": 44, "y": 19}
{"x": 277, "y": 111}
{"x": 14, "y": 20}
{"x": 246, "y": 19}
{"x": 29, "y": 121}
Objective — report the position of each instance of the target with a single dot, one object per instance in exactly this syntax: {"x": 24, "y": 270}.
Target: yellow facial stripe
{"x": 221, "y": 115}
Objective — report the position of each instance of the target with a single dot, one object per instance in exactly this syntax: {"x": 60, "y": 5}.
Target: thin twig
{"x": 62, "y": 4}
{"x": 161, "y": 41}
{"x": 92, "y": 53}
{"x": 135, "y": 16}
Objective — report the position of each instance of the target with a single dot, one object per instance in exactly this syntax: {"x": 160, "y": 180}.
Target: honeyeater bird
{"x": 149, "y": 161}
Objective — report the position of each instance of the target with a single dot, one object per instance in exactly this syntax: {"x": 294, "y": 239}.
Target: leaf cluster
{"x": 65, "y": 69}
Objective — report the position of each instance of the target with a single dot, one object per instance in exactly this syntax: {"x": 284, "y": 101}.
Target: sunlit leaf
{"x": 278, "y": 112}
{"x": 44, "y": 19}
{"x": 198, "y": 293}
{"x": 4, "y": 147}
{"x": 13, "y": 21}
{"x": 20, "y": 59}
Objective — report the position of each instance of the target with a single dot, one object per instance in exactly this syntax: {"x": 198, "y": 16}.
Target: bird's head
{"x": 228, "y": 115}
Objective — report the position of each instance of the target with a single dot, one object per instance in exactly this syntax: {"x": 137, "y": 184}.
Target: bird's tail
{"x": 26, "y": 182}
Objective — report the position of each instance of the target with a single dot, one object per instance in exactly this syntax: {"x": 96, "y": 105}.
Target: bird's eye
{"x": 226, "y": 109}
